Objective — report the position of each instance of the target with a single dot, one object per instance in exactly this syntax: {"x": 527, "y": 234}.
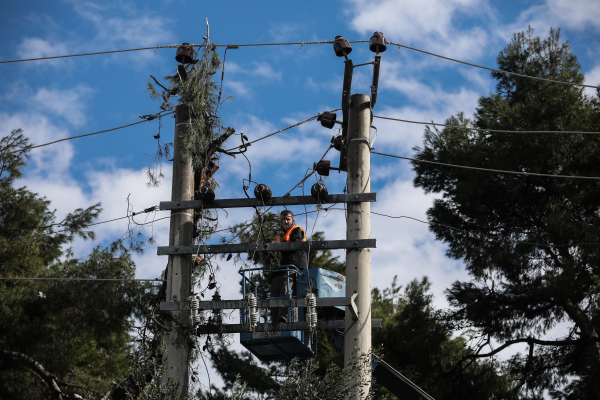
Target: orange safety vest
{"x": 286, "y": 237}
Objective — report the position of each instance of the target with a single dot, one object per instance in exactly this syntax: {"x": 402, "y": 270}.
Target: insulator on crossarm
{"x": 378, "y": 43}
{"x": 194, "y": 308}
{"x": 262, "y": 192}
{"x": 341, "y": 46}
{"x": 252, "y": 311}
{"x": 311, "y": 311}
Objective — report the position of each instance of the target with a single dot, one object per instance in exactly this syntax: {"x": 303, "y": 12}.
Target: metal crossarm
{"x": 286, "y": 246}
{"x": 262, "y": 303}
{"x": 278, "y": 327}
{"x": 275, "y": 201}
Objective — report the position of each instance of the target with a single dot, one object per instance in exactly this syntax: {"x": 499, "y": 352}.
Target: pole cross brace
{"x": 274, "y": 329}
{"x": 275, "y": 246}
{"x": 275, "y": 201}
{"x": 264, "y": 303}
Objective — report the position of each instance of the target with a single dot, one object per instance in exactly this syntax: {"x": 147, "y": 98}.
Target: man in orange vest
{"x": 299, "y": 258}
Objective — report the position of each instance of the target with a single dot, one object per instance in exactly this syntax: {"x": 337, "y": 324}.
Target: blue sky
{"x": 272, "y": 87}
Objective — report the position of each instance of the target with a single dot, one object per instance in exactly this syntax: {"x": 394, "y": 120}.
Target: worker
{"x": 298, "y": 258}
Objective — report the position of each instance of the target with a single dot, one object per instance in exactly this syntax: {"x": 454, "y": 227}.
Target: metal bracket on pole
{"x": 361, "y": 140}
{"x": 275, "y": 246}
{"x": 352, "y": 307}
{"x": 275, "y": 201}
{"x": 347, "y": 90}
{"x": 262, "y": 303}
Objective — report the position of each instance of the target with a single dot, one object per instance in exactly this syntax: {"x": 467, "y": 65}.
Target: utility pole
{"x": 179, "y": 269}
{"x": 357, "y": 339}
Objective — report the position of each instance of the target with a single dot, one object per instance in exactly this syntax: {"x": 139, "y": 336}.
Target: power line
{"x": 481, "y": 129}
{"x": 489, "y": 169}
{"x": 242, "y": 147}
{"x": 491, "y": 69}
{"x": 81, "y": 279}
{"x": 481, "y": 234}
{"x": 235, "y": 46}
{"x": 96, "y": 53}
{"x": 285, "y": 43}
{"x": 230, "y": 46}
{"x": 88, "y": 134}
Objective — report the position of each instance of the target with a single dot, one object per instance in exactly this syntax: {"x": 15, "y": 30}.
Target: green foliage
{"x": 337, "y": 383}
{"x": 541, "y": 272}
{"x": 77, "y": 331}
{"x": 300, "y": 381}
{"x": 199, "y": 93}
{"x": 417, "y": 342}
{"x": 236, "y": 367}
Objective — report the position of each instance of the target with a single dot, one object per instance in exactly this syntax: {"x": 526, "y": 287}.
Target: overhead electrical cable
{"x": 489, "y": 169}
{"x": 491, "y": 69}
{"x": 481, "y": 129}
{"x": 242, "y": 147}
{"x": 230, "y": 46}
{"x": 481, "y": 234}
{"x": 235, "y": 46}
{"x": 87, "y": 134}
{"x": 170, "y": 46}
{"x": 98, "y": 52}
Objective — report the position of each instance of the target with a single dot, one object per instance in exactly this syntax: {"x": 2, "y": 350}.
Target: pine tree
{"x": 57, "y": 338}
{"x": 539, "y": 265}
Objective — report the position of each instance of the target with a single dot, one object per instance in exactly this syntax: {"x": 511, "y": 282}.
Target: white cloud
{"x": 570, "y": 14}
{"x": 592, "y": 78}
{"x": 68, "y": 103}
{"x": 45, "y": 161}
{"x": 252, "y": 74}
{"x": 134, "y": 28}
{"x": 36, "y": 48}
{"x": 431, "y": 24}
{"x": 255, "y": 69}
{"x": 127, "y": 27}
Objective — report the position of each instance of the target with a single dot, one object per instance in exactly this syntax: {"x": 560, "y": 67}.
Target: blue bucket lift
{"x": 281, "y": 345}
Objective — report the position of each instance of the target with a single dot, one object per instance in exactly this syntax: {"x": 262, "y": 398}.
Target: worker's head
{"x": 288, "y": 218}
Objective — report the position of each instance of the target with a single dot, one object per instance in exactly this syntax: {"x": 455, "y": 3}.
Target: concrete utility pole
{"x": 358, "y": 262}
{"x": 179, "y": 270}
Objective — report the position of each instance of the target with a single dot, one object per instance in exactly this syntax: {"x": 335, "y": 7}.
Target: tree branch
{"x": 51, "y": 380}
{"x": 533, "y": 341}
{"x": 158, "y": 83}
{"x": 39, "y": 370}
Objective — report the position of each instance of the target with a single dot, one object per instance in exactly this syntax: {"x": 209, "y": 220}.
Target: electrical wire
{"x": 87, "y": 134}
{"x": 235, "y": 46}
{"x": 99, "y": 52}
{"x": 245, "y": 146}
{"x": 481, "y": 234}
{"x": 491, "y": 69}
{"x": 229, "y": 46}
{"x": 81, "y": 279}
{"x": 481, "y": 129}
{"x": 489, "y": 169}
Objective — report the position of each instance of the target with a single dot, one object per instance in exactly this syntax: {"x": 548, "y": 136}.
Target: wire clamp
{"x": 362, "y": 140}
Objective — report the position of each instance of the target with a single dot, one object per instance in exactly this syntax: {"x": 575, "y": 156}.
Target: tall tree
{"x": 57, "y": 338}
{"x": 538, "y": 266}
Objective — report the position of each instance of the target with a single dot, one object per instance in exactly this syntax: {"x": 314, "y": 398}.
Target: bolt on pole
{"x": 357, "y": 339}
{"x": 179, "y": 269}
